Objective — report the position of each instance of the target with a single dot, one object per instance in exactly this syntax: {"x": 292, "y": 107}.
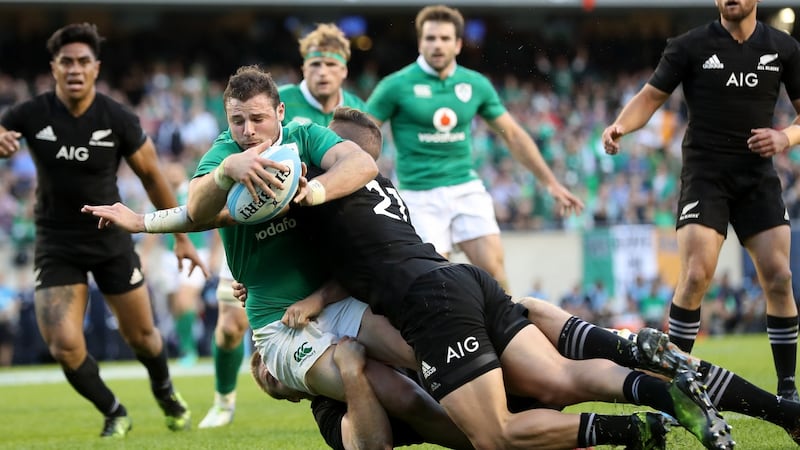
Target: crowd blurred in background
{"x": 564, "y": 107}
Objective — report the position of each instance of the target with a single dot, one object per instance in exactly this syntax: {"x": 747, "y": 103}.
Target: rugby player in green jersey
{"x": 430, "y": 105}
{"x": 325, "y": 52}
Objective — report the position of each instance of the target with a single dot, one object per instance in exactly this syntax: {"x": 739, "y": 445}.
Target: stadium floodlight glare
{"x": 786, "y": 16}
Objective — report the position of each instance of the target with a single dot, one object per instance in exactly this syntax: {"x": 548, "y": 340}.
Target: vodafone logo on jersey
{"x": 444, "y": 120}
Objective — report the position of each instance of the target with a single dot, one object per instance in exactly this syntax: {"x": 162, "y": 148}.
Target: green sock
{"x": 226, "y": 366}
{"x": 184, "y": 326}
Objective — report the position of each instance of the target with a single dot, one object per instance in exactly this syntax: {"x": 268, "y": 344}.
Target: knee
{"x": 68, "y": 355}
{"x": 229, "y": 334}
{"x": 143, "y": 340}
{"x": 698, "y": 277}
{"x": 411, "y": 401}
{"x": 779, "y": 280}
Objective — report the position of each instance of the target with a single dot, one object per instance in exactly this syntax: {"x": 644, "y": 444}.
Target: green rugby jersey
{"x": 301, "y": 106}
{"x": 273, "y": 259}
{"x": 431, "y": 119}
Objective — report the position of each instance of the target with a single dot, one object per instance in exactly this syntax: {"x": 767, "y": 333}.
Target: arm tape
{"x": 173, "y": 220}
{"x": 316, "y": 192}
{"x": 223, "y": 181}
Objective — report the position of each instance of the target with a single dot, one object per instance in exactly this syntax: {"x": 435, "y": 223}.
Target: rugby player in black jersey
{"x": 472, "y": 342}
{"x": 77, "y": 138}
{"x": 731, "y": 71}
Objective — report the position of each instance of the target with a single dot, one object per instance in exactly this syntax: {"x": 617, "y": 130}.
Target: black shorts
{"x": 714, "y": 196}
{"x": 328, "y": 414}
{"x": 458, "y": 320}
{"x": 115, "y": 265}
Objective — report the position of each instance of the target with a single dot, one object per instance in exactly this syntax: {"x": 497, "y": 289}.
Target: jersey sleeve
{"x": 491, "y": 107}
{"x": 131, "y": 134}
{"x": 319, "y": 140}
{"x": 14, "y": 117}
{"x": 671, "y": 68}
{"x": 381, "y": 104}
{"x": 791, "y": 73}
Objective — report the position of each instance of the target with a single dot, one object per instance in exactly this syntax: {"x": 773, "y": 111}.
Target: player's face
{"x": 736, "y": 10}
{"x": 324, "y": 77}
{"x": 254, "y": 121}
{"x": 75, "y": 70}
{"x": 438, "y": 45}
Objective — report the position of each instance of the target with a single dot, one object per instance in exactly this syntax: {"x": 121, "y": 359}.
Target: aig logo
{"x": 742, "y": 80}
{"x": 458, "y": 351}
{"x": 73, "y": 153}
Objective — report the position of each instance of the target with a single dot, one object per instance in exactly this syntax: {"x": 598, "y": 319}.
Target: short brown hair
{"x": 327, "y": 37}
{"x": 440, "y": 13}
{"x": 357, "y": 126}
{"x": 249, "y": 81}
{"x": 85, "y": 33}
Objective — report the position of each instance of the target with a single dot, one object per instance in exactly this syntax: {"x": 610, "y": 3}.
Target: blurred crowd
{"x": 565, "y": 111}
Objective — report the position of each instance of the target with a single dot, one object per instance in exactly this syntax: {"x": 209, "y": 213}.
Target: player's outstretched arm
{"x": 172, "y": 220}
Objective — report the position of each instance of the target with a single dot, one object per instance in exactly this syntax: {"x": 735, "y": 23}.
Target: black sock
{"x": 642, "y": 389}
{"x": 684, "y": 324}
{"x": 582, "y": 340}
{"x": 782, "y": 332}
{"x": 160, "y": 382}
{"x": 600, "y": 429}
{"x": 730, "y": 392}
{"x": 87, "y": 382}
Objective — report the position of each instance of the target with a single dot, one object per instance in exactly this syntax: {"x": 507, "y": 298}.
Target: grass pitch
{"x": 41, "y": 411}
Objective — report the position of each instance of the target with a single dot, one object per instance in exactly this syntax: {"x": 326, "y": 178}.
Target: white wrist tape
{"x": 172, "y": 220}
{"x": 223, "y": 181}
{"x": 316, "y": 192}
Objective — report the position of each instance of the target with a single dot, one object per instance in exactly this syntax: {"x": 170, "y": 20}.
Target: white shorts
{"x": 289, "y": 353}
{"x": 224, "y": 289}
{"x": 449, "y": 215}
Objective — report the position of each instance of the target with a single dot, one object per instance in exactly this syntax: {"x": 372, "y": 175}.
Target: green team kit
{"x": 302, "y": 107}
{"x": 431, "y": 119}
{"x": 272, "y": 258}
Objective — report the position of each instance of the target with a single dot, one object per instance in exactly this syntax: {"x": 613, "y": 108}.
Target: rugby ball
{"x": 247, "y": 211}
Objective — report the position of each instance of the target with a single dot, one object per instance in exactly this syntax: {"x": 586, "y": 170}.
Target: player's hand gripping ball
{"x": 245, "y": 210}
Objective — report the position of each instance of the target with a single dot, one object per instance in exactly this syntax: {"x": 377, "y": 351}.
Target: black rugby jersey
{"x": 375, "y": 252}
{"x": 76, "y": 157}
{"x": 730, "y": 88}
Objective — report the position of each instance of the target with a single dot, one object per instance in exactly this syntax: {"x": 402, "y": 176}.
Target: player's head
{"x": 74, "y": 62}
{"x": 83, "y": 33}
{"x": 270, "y": 384}
{"x": 439, "y": 32}
{"x": 325, "y": 53}
{"x": 357, "y": 126}
{"x": 253, "y": 106}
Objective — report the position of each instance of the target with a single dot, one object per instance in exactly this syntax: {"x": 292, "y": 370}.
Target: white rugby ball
{"x": 240, "y": 203}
